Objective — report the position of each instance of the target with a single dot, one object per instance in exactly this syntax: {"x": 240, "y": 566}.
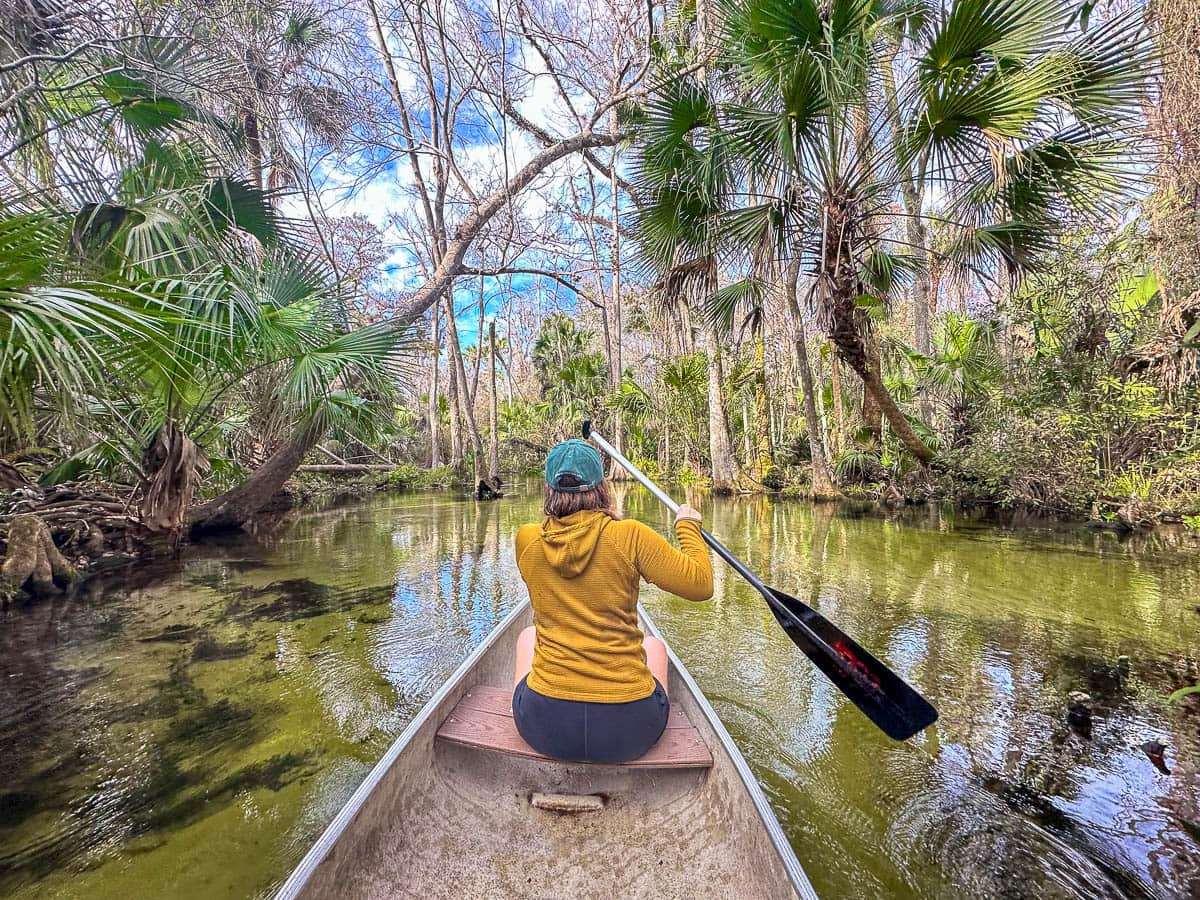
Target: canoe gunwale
{"x": 783, "y": 846}
{"x": 329, "y": 837}
{"x": 458, "y": 682}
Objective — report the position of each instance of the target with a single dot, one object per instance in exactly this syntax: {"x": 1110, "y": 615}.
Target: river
{"x": 189, "y": 731}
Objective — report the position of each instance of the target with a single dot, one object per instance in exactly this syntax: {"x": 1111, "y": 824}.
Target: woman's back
{"x": 582, "y": 572}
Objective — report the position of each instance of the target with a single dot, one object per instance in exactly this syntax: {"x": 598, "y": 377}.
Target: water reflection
{"x": 188, "y": 732}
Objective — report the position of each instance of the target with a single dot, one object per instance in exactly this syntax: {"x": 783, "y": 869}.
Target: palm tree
{"x": 558, "y": 342}
{"x": 274, "y": 80}
{"x": 156, "y": 297}
{"x": 964, "y": 368}
{"x": 1017, "y": 119}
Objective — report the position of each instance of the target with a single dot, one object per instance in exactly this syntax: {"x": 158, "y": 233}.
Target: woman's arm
{"x": 686, "y": 572}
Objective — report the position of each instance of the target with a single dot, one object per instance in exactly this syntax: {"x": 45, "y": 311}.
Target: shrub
{"x": 404, "y": 476}
{"x": 1039, "y": 462}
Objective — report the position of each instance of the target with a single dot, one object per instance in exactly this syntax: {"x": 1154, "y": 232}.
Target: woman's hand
{"x": 688, "y": 512}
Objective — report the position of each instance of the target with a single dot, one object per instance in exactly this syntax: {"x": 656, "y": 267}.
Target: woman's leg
{"x": 656, "y": 659}
{"x": 524, "y": 662}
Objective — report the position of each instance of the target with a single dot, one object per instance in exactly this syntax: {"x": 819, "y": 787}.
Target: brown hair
{"x": 560, "y": 504}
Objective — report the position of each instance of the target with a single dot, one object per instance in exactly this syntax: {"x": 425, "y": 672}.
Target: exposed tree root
{"x": 33, "y": 561}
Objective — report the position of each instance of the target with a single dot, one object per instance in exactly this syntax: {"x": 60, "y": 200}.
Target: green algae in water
{"x": 190, "y": 736}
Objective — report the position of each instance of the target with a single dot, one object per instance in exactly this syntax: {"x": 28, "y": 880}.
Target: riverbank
{"x": 89, "y": 528}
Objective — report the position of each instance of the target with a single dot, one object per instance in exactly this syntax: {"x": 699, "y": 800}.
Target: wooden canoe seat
{"x": 483, "y": 719}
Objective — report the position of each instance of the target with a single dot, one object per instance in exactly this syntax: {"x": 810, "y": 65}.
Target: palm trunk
{"x": 171, "y": 468}
{"x": 762, "y": 428}
{"x": 859, "y": 351}
{"x": 896, "y": 419}
{"x": 823, "y": 487}
{"x": 720, "y": 444}
{"x": 839, "y": 416}
{"x": 872, "y": 413}
{"x": 254, "y": 151}
{"x": 237, "y": 506}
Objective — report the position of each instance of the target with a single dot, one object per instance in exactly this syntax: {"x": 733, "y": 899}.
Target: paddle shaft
{"x": 722, "y": 551}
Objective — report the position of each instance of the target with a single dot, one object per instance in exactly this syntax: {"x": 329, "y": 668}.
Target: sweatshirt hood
{"x": 569, "y": 543}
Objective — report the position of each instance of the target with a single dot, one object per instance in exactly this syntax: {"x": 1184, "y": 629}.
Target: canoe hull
{"x": 435, "y": 819}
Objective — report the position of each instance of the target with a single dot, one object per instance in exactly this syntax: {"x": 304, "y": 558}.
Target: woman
{"x": 589, "y": 686}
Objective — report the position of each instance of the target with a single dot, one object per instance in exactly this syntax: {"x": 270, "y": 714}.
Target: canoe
{"x": 460, "y": 806}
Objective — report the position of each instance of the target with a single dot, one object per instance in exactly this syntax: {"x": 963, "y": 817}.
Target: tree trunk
{"x": 839, "y": 416}
{"x": 720, "y": 444}
{"x": 478, "y": 345}
{"x": 819, "y": 397}
{"x": 254, "y": 151}
{"x": 484, "y": 487}
{"x": 615, "y": 302}
{"x": 747, "y": 447}
{"x": 872, "y": 414}
{"x": 895, "y": 417}
{"x": 846, "y": 327}
{"x": 823, "y": 487}
{"x": 171, "y": 467}
{"x": 460, "y": 372}
{"x": 347, "y": 468}
{"x": 493, "y": 429}
{"x": 685, "y": 327}
{"x": 917, "y": 237}
{"x": 457, "y": 451}
{"x": 238, "y": 505}
{"x": 762, "y": 428}
{"x": 435, "y": 450}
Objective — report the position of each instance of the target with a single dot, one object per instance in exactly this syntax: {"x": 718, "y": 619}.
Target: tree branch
{"x": 526, "y": 270}
{"x": 450, "y": 265}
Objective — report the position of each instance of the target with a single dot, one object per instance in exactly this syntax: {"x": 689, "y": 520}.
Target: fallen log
{"x": 346, "y": 468}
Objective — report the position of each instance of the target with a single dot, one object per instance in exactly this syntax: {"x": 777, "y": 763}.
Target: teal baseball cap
{"x": 574, "y": 466}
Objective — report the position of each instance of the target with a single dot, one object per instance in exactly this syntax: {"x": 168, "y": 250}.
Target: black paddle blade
{"x": 884, "y": 697}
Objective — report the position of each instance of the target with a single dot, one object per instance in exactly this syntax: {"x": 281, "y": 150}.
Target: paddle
{"x": 883, "y": 696}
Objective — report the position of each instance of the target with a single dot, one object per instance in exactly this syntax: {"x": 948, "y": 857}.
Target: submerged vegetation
{"x": 896, "y": 249}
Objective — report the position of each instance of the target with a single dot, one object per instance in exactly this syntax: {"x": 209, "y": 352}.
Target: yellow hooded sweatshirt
{"x": 583, "y": 572}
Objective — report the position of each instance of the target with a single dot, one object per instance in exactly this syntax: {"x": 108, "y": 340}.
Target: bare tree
{"x": 447, "y": 70}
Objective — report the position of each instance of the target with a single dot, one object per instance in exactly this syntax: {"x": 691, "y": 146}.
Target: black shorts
{"x": 578, "y": 731}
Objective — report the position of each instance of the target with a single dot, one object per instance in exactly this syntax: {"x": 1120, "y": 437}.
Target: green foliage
{"x": 1131, "y": 483}
{"x": 1192, "y": 523}
{"x": 1043, "y": 461}
{"x": 411, "y": 477}
{"x": 142, "y": 283}
{"x": 857, "y": 464}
